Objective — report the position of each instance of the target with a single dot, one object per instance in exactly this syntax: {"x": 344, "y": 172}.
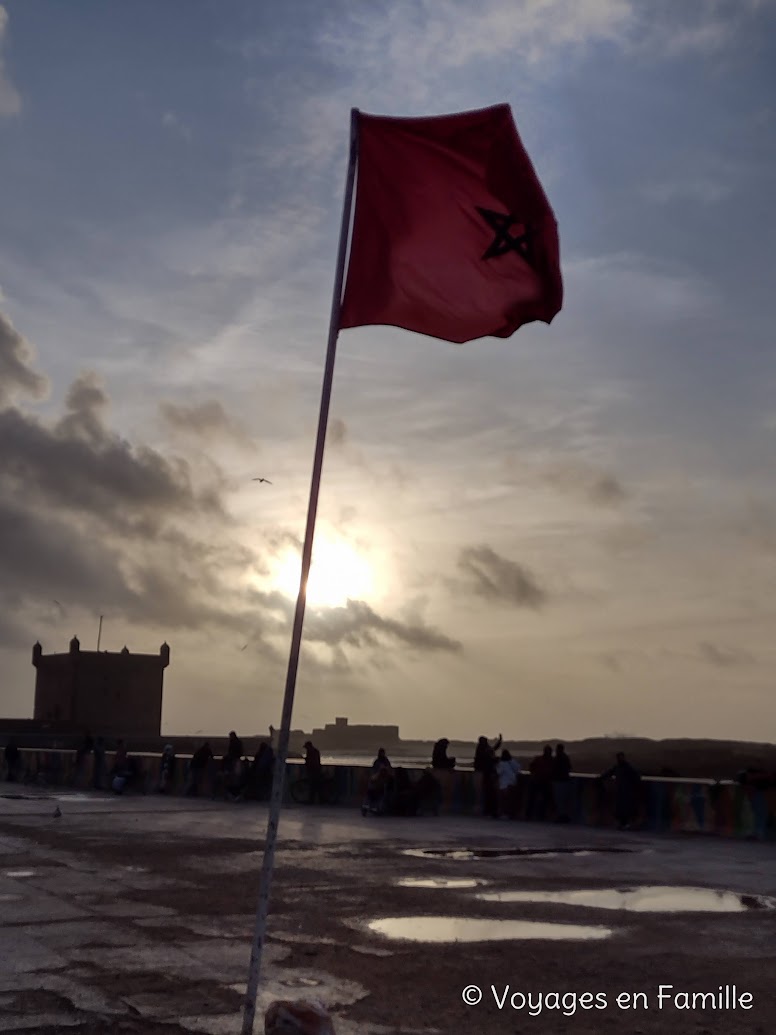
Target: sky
{"x": 567, "y": 533}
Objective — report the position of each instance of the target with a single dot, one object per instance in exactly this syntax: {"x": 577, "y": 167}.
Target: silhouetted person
{"x": 124, "y": 768}
{"x": 83, "y": 751}
{"x": 561, "y": 784}
{"x": 313, "y": 770}
{"x": 405, "y": 798}
{"x": 439, "y": 759}
{"x": 13, "y": 760}
{"x": 627, "y": 781}
{"x": 540, "y": 786}
{"x": 507, "y": 771}
{"x": 263, "y": 771}
{"x": 98, "y": 774}
{"x": 485, "y": 763}
{"x": 198, "y": 767}
{"x": 121, "y": 756}
{"x": 234, "y": 752}
{"x": 167, "y": 765}
{"x": 381, "y": 762}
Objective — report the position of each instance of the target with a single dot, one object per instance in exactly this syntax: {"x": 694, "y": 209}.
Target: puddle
{"x": 301, "y": 982}
{"x": 641, "y": 900}
{"x": 452, "y": 883}
{"x": 20, "y": 873}
{"x": 464, "y": 929}
{"x": 11, "y": 898}
{"x": 467, "y": 854}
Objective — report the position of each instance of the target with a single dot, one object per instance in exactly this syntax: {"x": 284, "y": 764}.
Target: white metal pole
{"x": 296, "y": 636}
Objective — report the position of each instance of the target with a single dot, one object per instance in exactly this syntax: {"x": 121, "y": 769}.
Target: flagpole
{"x": 268, "y": 862}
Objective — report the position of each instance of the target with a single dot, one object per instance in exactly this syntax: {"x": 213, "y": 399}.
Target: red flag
{"x": 453, "y": 235}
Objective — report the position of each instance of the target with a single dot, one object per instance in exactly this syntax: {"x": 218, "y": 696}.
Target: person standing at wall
{"x": 561, "y": 784}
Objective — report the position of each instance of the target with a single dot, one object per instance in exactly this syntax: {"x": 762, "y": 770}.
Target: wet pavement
{"x": 135, "y": 915}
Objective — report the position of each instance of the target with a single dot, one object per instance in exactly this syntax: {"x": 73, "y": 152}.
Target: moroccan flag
{"x": 453, "y": 235}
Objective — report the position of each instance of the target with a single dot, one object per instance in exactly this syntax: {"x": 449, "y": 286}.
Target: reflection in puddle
{"x": 20, "y": 873}
{"x": 464, "y": 929}
{"x": 439, "y": 882}
{"x": 466, "y": 854}
{"x": 301, "y": 982}
{"x": 641, "y": 900}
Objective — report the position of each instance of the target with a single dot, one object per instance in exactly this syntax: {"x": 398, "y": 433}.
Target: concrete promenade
{"x": 134, "y": 914}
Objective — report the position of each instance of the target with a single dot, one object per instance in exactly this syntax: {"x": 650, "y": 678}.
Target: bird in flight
{"x": 262, "y": 480}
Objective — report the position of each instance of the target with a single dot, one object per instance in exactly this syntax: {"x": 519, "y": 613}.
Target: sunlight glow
{"x": 338, "y": 573}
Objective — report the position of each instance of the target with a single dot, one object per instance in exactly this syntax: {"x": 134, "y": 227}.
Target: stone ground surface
{"x": 135, "y": 915}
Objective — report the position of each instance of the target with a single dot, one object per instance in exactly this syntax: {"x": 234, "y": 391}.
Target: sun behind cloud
{"x": 339, "y": 573}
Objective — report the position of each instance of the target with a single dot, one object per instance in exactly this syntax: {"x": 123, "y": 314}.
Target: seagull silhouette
{"x": 262, "y": 480}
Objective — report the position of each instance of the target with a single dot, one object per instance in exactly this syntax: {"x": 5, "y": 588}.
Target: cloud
{"x": 358, "y": 625}
{"x": 587, "y": 481}
{"x": 172, "y": 122}
{"x": 493, "y": 577}
{"x": 699, "y": 189}
{"x": 337, "y": 432}
{"x": 10, "y": 99}
{"x": 205, "y": 420}
{"x": 79, "y": 464}
{"x": 16, "y": 374}
{"x": 96, "y": 521}
{"x": 758, "y": 526}
{"x": 417, "y": 43}
{"x": 724, "y": 657}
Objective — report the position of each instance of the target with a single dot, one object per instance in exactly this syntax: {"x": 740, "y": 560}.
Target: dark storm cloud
{"x": 206, "y": 420}
{"x": 492, "y": 577}
{"x": 16, "y": 373}
{"x": 358, "y": 625}
{"x": 46, "y": 556}
{"x": 80, "y": 464}
{"x": 89, "y": 518}
{"x": 174, "y": 581}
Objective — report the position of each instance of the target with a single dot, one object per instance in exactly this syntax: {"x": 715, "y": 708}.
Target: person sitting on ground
{"x": 485, "y": 763}
{"x": 627, "y": 781}
{"x": 198, "y": 767}
{"x": 313, "y": 770}
{"x": 507, "y": 771}
{"x": 13, "y": 760}
{"x": 119, "y": 758}
{"x": 166, "y": 769}
{"x": 439, "y": 759}
{"x": 124, "y": 768}
{"x": 381, "y": 762}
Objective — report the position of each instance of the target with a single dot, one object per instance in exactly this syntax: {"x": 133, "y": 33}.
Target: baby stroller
{"x": 379, "y": 793}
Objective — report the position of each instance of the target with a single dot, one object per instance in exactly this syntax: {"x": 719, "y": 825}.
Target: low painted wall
{"x": 725, "y": 809}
